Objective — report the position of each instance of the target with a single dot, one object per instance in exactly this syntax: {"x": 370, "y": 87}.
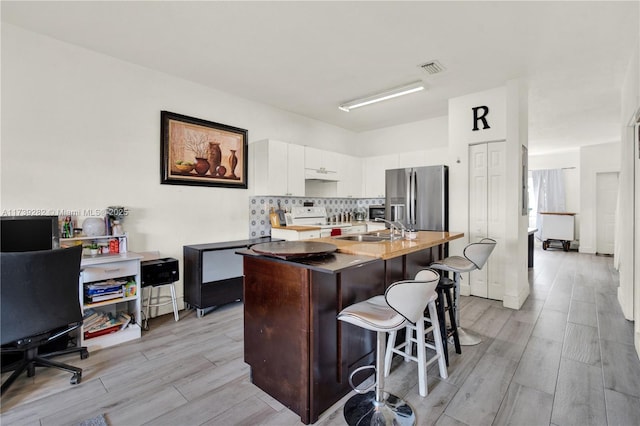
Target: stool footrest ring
{"x": 357, "y": 370}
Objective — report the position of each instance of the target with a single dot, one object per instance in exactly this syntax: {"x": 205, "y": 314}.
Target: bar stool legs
{"x": 466, "y": 338}
{"x": 372, "y": 408}
{"x": 417, "y": 334}
{"x": 404, "y": 302}
{"x": 475, "y": 257}
{"x": 148, "y": 305}
{"x": 446, "y": 303}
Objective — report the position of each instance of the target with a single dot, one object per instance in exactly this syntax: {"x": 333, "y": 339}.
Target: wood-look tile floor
{"x": 565, "y": 358}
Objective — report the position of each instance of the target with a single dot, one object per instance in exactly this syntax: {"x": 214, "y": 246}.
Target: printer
{"x": 159, "y": 271}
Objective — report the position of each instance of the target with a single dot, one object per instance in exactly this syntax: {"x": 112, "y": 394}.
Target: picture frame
{"x": 203, "y": 153}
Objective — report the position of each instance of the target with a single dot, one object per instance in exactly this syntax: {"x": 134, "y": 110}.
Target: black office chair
{"x": 39, "y": 304}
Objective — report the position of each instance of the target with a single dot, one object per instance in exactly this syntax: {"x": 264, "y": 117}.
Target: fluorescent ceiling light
{"x": 389, "y": 94}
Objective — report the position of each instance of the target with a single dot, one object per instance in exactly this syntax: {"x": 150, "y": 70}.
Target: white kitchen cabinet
{"x": 320, "y": 164}
{"x": 290, "y": 234}
{"x": 350, "y": 172}
{"x": 356, "y": 228}
{"x": 374, "y": 174}
{"x": 278, "y": 168}
{"x": 295, "y": 170}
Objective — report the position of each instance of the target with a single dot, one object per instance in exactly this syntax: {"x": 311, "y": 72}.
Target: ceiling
{"x": 309, "y": 57}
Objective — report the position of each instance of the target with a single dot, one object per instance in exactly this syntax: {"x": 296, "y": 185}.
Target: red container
{"x": 114, "y": 246}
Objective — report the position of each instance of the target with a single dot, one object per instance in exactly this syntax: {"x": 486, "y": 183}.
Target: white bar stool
{"x": 417, "y": 334}
{"x": 404, "y": 302}
{"x": 475, "y": 256}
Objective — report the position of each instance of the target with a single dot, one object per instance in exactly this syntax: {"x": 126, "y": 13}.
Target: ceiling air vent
{"x": 432, "y": 67}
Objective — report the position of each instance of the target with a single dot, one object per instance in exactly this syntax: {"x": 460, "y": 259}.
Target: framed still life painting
{"x": 200, "y": 152}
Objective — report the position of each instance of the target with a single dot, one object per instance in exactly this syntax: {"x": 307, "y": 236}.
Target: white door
{"x": 478, "y": 210}
{"x": 496, "y": 217}
{"x": 487, "y": 189}
{"x": 606, "y": 201}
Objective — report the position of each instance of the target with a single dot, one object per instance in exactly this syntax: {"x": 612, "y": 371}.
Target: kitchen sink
{"x": 364, "y": 238}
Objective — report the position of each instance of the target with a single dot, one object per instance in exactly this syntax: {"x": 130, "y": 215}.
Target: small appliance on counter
{"x": 376, "y": 212}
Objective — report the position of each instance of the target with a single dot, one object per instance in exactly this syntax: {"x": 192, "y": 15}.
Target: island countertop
{"x": 391, "y": 249}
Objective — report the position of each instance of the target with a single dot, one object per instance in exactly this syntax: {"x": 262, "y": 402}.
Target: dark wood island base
{"x": 297, "y": 350}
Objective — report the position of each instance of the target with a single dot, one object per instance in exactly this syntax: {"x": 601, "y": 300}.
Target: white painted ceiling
{"x": 308, "y": 57}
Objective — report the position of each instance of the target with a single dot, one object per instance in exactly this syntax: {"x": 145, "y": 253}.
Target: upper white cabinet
{"x": 320, "y": 164}
{"x": 278, "y": 168}
{"x": 350, "y": 172}
{"x": 374, "y": 174}
{"x": 295, "y": 170}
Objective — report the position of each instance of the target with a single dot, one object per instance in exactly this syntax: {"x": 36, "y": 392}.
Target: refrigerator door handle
{"x": 407, "y": 197}
{"x": 412, "y": 208}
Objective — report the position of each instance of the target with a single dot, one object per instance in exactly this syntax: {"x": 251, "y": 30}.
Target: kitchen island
{"x": 298, "y": 352}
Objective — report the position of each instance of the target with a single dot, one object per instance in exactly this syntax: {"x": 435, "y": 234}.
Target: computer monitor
{"x": 29, "y": 233}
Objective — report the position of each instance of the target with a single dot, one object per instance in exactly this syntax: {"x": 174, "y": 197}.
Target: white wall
{"x": 81, "y": 130}
{"x": 419, "y": 136}
{"x": 636, "y": 219}
{"x": 508, "y": 120}
{"x": 628, "y": 236}
{"x": 593, "y": 159}
{"x": 569, "y": 161}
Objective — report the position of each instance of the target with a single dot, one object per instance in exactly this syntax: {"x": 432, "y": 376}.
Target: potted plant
{"x": 93, "y": 248}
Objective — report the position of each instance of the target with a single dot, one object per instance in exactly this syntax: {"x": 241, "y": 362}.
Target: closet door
{"x": 478, "y": 197}
{"x": 496, "y": 217}
{"x": 487, "y": 215}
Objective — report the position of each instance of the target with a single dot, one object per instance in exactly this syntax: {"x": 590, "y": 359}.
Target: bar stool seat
{"x": 404, "y": 303}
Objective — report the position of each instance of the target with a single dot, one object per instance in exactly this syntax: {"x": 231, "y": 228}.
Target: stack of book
{"x": 104, "y": 290}
{"x": 96, "y": 323}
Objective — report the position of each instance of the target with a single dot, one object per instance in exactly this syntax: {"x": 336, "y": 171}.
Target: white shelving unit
{"x": 102, "y": 240}
{"x": 112, "y": 266}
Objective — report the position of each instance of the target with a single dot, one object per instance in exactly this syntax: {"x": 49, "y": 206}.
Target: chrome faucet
{"x": 394, "y": 227}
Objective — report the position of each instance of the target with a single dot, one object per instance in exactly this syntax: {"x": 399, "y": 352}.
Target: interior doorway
{"x": 606, "y": 205}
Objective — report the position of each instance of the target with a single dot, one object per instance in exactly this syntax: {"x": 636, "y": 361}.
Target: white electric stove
{"x": 314, "y": 217}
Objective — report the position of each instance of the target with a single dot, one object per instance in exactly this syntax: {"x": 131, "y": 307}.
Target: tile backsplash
{"x": 260, "y": 206}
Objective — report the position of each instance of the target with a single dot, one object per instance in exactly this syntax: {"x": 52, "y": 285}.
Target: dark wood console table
{"x": 213, "y": 273}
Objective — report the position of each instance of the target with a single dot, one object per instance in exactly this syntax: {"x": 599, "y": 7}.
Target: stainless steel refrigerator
{"x": 418, "y": 197}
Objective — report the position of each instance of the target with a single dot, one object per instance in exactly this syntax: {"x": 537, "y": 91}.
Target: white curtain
{"x": 548, "y": 193}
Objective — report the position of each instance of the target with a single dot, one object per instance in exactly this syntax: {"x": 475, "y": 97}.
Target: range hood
{"x": 321, "y": 174}
{"x": 320, "y": 188}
